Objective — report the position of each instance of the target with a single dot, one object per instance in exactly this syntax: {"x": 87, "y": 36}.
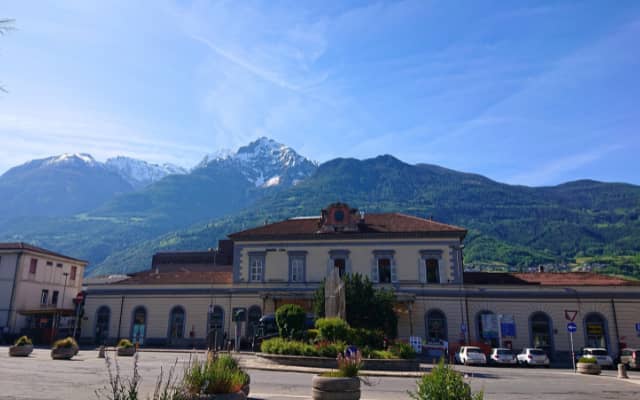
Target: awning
{"x": 48, "y": 311}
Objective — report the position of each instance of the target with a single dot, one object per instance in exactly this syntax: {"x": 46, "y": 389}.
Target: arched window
{"x": 215, "y": 334}
{"x": 176, "y": 324}
{"x": 436, "y": 323}
{"x": 139, "y": 325}
{"x": 541, "y": 332}
{"x": 596, "y": 331}
{"x": 252, "y": 324}
{"x": 487, "y": 325}
{"x": 103, "y": 317}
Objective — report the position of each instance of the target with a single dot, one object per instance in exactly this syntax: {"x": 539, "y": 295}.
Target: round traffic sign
{"x": 571, "y": 327}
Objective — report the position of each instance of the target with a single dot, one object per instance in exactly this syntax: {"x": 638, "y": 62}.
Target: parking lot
{"x": 38, "y": 378}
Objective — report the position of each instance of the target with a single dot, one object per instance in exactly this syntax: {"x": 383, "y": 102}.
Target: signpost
{"x": 571, "y": 328}
{"x": 638, "y": 328}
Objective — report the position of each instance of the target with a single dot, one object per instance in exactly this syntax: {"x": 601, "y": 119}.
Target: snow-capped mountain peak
{"x": 141, "y": 173}
{"x": 71, "y": 158}
{"x": 264, "y": 162}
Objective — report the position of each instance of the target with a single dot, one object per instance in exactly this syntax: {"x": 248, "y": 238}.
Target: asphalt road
{"x": 38, "y": 378}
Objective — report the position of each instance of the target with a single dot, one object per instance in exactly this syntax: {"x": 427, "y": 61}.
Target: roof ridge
{"x": 427, "y": 220}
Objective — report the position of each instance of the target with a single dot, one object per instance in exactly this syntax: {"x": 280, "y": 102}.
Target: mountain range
{"x": 268, "y": 181}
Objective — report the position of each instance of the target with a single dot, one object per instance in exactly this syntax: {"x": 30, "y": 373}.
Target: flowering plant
{"x": 350, "y": 363}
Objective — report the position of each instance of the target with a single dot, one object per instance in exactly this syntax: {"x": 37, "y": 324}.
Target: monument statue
{"x": 334, "y": 296}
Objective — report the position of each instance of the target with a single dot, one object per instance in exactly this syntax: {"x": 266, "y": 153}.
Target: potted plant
{"x": 21, "y": 348}
{"x": 589, "y": 366}
{"x": 64, "y": 349}
{"x": 219, "y": 378}
{"x": 126, "y": 348}
{"x": 343, "y": 383}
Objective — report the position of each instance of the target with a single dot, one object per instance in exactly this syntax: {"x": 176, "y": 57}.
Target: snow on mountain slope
{"x": 140, "y": 173}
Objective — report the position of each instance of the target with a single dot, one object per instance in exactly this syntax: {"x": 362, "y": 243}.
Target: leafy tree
{"x": 367, "y": 307}
{"x": 290, "y": 319}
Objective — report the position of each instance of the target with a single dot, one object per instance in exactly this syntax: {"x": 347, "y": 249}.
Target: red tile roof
{"x": 19, "y": 246}
{"x": 546, "y": 279}
{"x": 386, "y": 224}
{"x": 220, "y": 275}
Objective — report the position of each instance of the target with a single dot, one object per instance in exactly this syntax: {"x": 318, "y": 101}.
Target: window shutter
{"x": 394, "y": 275}
{"x": 422, "y": 271}
{"x": 374, "y": 271}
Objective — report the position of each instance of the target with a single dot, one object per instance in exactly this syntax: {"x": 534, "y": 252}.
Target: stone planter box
{"x": 327, "y": 362}
{"x": 126, "y": 351}
{"x": 228, "y": 396}
{"x": 20, "y": 351}
{"x": 589, "y": 369}
{"x": 329, "y": 388}
{"x": 64, "y": 353}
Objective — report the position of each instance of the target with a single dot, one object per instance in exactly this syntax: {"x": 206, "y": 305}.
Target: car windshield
{"x": 474, "y": 350}
{"x": 505, "y": 352}
{"x": 536, "y": 352}
{"x": 599, "y": 352}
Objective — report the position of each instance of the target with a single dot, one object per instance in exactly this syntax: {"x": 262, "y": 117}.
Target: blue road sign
{"x": 638, "y": 327}
{"x": 571, "y": 327}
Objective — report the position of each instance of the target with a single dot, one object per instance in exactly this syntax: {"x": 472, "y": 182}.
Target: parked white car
{"x": 601, "y": 355}
{"x": 531, "y": 356}
{"x": 502, "y": 356}
{"x": 470, "y": 355}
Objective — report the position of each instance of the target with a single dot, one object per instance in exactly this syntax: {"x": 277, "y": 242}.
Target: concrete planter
{"x": 20, "y": 351}
{"x": 329, "y": 388}
{"x": 227, "y": 396}
{"x": 64, "y": 353}
{"x": 589, "y": 368}
{"x": 126, "y": 351}
{"x": 326, "y": 362}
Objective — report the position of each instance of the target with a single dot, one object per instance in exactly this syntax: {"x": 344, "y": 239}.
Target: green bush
{"x": 587, "y": 360}
{"x": 65, "y": 343}
{"x": 23, "y": 341}
{"x": 333, "y": 329}
{"x": 126, "y": 343}
{"x": 290, "y": 319}
{"x": 443, "y": 383}
{"x": 288, "y": 347}
{"x": 218, "y": 376}
{"x": 366, "y": 338}
{"x": 382, "y": 354}
{"x": 403, "y": 350}
{"x": 329, "y": 349}
{"x": 312, "y": 334}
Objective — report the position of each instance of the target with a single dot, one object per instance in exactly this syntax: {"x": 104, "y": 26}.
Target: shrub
{"x": 443, "y": 383}
{"x": 220, "y": 375}
{"x": 290, "y": 319}
{"x": 126, "y": 343}
{"x": 288, "y": 347}
{"x": 403, "y": 350}
{"x": 587, "y": 360}
{"x": 65, "y": 343}
{"x": 23, "y": 341}
{"x": 381, "y": 354}
{"x": 366, "y": 338}
{"x": 329, "y": 349}
{"x": 312, "y": 334}
{"x": 333, "y": 329}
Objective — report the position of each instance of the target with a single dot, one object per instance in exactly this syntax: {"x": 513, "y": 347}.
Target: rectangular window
{"x": 49, "y": 263}
{"x": 341, "y": 265}
{"x": 59, "y": 265}
{"x": 44, "y": 297}
{"x": 256, "y": 268}
{"x": 54, "y": 298}
{"x": 297, "y": 268}
{"x": 33, "y": 266}
{"x": 384, "y": 270}
{"x": 72, "y": 275}
{"x": 433, "y": 271}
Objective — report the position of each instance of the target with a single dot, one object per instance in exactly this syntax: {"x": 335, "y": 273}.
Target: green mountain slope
{"x": 515, "y": 225}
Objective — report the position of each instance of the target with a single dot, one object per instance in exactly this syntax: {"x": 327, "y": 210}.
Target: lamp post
{"x": 463, "y": 332}
{"x": 64, "y": 289}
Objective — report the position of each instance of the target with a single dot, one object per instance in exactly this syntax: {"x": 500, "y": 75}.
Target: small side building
{"x": 37, "y": 291}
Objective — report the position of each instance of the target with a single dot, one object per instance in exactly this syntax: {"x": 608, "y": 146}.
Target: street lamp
{"x": 463, "y": 328}
{"x": 64, "y": 289}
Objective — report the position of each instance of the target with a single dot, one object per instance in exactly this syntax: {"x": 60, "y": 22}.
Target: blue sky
{"x": 533, "y": 93}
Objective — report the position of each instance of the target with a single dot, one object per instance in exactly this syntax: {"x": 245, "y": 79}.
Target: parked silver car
{"x": 600, "y": 354}
{"x": 502, "y": 356}
{"x": 470, "y": 355}
{"x": 531, "y": 357}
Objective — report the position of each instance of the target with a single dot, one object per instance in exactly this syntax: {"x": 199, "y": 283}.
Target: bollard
{"x": 101, "y": 352}
{"x": 622, "y": 371}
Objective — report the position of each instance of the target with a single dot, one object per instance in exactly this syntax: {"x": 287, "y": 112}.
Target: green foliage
{"x": 290, "y": 319}
{"x": 318, "y": 301}
{"x": 403, "y": 350}
{"x": 587, "y": 360}
{"x": 220, "y": 375}
{"x": 23, "y": 341}
{"x": 126, "y": 343}
{"x": 333, "y": 329}
{"x": 366, "y": 338}
{"x": 312, "y": 334}
{"x": 443, "y": 383}
{"x": 328, "y": 349}
{"x": 65, "y": 343}
{"x": 298, "y": 348}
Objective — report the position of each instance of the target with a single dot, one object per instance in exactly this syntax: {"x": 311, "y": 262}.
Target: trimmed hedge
{"x": 298, "y": 348}
{"x": 333, "y": 329}
{"x": 291, "y": 319}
